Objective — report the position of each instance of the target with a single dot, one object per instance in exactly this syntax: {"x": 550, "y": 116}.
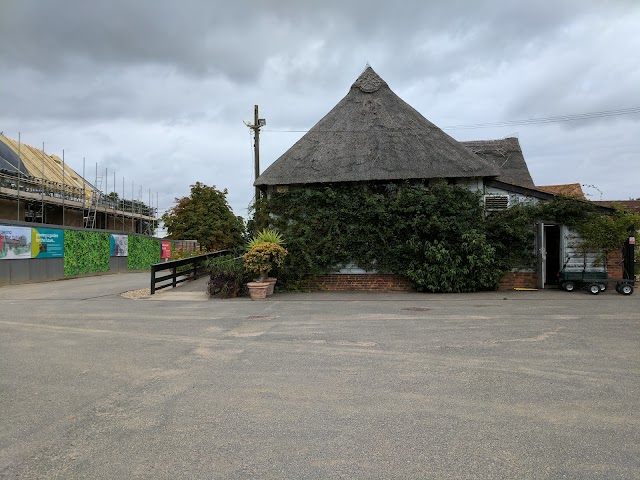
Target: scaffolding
{"x": 52, "y": 188}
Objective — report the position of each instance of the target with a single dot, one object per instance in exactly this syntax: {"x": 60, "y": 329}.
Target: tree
{"x": 205, "y": 216}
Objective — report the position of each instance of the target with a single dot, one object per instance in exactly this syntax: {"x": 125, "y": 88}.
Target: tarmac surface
{"x": 496, "y": 385}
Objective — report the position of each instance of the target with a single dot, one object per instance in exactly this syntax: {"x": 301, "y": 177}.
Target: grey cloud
{"x": 168, "y": 83}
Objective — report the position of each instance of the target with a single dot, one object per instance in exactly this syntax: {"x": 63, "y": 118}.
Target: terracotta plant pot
{"x": 272, "y": 283}
{"x": 258, "y": 290}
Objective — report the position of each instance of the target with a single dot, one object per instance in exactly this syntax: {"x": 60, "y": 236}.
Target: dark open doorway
{"x": 552, "y": 249}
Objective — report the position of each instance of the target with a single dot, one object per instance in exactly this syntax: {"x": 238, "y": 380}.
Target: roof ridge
{"x": 369, "y": 81}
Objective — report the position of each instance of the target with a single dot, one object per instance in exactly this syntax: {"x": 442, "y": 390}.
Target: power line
{"x": 508, "y": 123}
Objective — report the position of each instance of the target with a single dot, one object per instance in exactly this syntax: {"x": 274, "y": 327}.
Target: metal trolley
{"x": 593, "y": 280}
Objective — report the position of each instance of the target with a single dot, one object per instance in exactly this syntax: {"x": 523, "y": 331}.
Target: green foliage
{"x": 605, "y": 233}
{"x": 258, "y": 216}
{"x": 387, "y": 228}
{"x": 205, "y": 216}
{"x": 85, "y": 252}
{"x": 179, "y": 253}
{"x": 439, "y": 236}
{"x": 565, "y": 210}
{"x": 512, "y": 233}
{"x": 143, "y": 252}
{"x": 227, "y": 274}
{"x": 267, "y": 235}
{"x": 467, "y": 267}
{"x": 263, "y": 258}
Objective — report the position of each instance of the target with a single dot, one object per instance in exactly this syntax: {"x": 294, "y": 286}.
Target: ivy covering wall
{"x": 438, "y": 237}
{"x": 85, "y": 252}
{"x": 143, "y": 252}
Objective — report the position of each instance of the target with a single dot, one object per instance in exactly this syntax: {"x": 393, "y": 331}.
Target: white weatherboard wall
{"x": 514, "y": 198}
{"x": 574, "y": 258}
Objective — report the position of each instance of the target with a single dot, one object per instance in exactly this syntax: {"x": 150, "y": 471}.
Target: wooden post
{"x": 256, "y": 147}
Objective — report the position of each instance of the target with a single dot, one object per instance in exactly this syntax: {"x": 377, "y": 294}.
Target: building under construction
{"x": 39, "y": 187}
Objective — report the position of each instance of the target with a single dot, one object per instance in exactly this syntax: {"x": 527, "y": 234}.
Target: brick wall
{"x": 397, "y": 283}
{"x": 370, "y": 282}
{"x": 615, "y": 265}
{"x": 518, "y": 280}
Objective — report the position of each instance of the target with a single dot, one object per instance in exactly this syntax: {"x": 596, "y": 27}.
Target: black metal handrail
{"x": 193, "y": 272}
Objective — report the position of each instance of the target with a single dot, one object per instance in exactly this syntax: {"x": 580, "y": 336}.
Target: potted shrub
{"x": 260, "y": 260}
{"x": 225, "y": 276}
{"x": 267, "y": 235}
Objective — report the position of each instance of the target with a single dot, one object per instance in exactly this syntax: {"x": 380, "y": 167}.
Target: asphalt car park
{"x": 536, "y": 384}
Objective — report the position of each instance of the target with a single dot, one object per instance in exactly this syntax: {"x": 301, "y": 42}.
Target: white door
{"x": 542, "y": 255}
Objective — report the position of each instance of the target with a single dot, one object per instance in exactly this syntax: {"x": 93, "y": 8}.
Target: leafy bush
{"x": 469, "y": 267}
{"x": 263, "y": 258}
{"x": 227, "y": 275}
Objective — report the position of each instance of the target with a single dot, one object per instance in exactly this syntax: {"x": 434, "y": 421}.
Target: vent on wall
{"x": 496, "y": 202}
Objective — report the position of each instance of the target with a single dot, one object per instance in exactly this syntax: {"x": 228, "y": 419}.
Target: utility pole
{"x": 255, "y": 126}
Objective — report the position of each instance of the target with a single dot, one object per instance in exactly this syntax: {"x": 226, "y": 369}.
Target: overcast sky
{"x": 157, "y": 91}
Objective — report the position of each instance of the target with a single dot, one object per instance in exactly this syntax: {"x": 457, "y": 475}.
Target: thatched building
{"x": 372, "y": 135}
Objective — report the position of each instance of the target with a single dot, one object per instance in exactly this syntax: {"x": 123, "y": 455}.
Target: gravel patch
{"x": 140, "y": 293}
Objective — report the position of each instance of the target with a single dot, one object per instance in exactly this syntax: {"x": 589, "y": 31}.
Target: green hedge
{"x": 143, "y": 252}
{"x": 85, "y": 252}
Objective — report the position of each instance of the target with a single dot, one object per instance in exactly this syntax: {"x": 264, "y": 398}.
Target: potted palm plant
{"x": 267, "y": 235}
{"x": 263, "y": 256}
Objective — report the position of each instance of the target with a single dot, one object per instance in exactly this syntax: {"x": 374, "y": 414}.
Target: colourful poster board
{"x": 119, "y": 245}
{"x": 47, "y": 243}
{"x": 15, "y": 242}
{"x": 165, "y": 249}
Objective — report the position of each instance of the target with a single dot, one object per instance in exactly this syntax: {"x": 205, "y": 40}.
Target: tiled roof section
{"x": 630, "y": 205}
{"x": 568, "y": 189}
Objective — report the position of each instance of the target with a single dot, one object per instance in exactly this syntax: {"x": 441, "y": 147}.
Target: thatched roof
{"x": 506, "y": 155}
{"x": 372, "y": 134}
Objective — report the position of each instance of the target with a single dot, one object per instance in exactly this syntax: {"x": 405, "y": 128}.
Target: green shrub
{"x": 468, "y": 267}
{"x": 227, "y": 275}
{"x": 263, "y": 258}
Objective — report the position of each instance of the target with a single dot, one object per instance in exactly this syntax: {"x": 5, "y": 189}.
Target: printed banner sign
{"x": 119, "y": 245}
{"x": 47, "y": 243}
{"x": 15, "y": 242}
{"x": 165, "y": 249}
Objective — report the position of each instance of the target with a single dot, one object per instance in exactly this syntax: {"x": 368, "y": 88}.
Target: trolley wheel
{"x": 594, "y": 289}
{"x": 618, "y": 288}
{"x": 603, "y": 287}
{"x": 626, "y": 289}
{"x": 569, "y": 286}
